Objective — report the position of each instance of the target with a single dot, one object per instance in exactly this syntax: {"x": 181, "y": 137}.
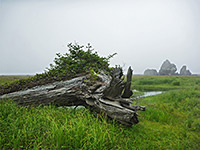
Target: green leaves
{"x": 78, "y": 60}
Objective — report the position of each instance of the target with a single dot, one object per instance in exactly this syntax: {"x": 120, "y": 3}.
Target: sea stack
{"x": 150, "y": 72}
{"x": 167, "y": 68}
{"x": 184, "y": 71}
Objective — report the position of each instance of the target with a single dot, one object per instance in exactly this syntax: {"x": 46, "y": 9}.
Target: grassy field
{"x": 10, "y": 79}
{"x": 171, "y": 121}
{"x": 165, "y": 83}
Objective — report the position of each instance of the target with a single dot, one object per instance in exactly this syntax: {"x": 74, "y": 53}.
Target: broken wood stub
{"x": 102, "y": 95}
{"x": 127, "y": 91}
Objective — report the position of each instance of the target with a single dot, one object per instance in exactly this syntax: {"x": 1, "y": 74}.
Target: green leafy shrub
{"x": 78, "y": 60}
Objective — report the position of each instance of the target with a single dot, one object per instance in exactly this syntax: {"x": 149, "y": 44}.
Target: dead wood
{"x": 103, "y": 95}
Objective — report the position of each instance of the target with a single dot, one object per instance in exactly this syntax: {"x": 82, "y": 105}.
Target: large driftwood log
{"x": 101, "y": 95}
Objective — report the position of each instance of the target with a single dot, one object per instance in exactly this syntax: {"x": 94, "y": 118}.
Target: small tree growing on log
{"x": 73, "y": 81}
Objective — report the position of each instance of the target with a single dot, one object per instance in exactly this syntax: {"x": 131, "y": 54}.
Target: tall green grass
{"x": 171, "y": 121}
{"x": 55, "y": 128}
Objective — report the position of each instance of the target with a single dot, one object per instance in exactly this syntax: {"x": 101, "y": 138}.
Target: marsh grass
{"x": 171, "y": 121}
{"x": 165, "y": 83}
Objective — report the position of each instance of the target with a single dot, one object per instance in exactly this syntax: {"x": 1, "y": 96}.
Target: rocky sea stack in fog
{"x": 184, "y": 71}
{"x": 167, "y": 68}
{"x": 150, "y": 72}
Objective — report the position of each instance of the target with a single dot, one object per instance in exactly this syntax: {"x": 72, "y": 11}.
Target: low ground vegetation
{"x": 171, "y": 121}
{"x": 165, "y": 83}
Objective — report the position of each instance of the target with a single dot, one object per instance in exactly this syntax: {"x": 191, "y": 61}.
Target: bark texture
{"x": 102, "y": 94}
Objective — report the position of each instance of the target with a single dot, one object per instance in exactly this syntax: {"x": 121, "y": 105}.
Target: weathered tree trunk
{"x": 102, "y": 95}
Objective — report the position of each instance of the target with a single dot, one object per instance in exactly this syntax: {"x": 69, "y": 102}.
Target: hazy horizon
{"x": 143, "y": 33}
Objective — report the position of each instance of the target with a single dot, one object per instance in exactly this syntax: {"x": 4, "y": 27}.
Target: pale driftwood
{"x": 101, "y": 95}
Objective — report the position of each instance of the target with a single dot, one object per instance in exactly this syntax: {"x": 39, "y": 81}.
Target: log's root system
{"x": 106, "y": 94}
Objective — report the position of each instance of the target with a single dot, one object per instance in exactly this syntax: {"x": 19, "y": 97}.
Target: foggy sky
{"x": 143, "y": 33}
